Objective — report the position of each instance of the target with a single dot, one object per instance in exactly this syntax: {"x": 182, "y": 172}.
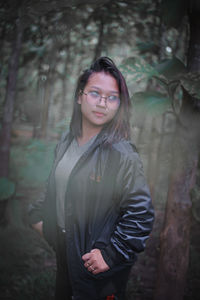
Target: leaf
{"x": 171, "y": 68}
{"x": 7, "y": 188}
{"x": 145, "y": 46}
{"x": 150, "y": 102}
{"x": 191, "y": 83}
{"x": 138, "y": 69}
{"x": 39, "y": 50}
{"x": 173, "y": 73}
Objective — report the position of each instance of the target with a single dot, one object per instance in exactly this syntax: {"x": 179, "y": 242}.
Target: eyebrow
{"x": 96, "y": 87}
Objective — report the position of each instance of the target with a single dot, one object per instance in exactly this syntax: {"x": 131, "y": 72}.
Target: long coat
{"x": 107, "y": 206}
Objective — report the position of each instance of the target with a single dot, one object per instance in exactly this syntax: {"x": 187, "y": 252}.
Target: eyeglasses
{"x": 93, "y": 97}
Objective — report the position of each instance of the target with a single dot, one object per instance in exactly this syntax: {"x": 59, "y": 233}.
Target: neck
{"x": 87, "y": 134}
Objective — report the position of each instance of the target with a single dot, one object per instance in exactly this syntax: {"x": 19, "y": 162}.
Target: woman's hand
{"x": 94, "y": 262}
{"x": 38, "y": 227}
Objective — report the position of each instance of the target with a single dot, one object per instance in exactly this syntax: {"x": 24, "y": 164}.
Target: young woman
{"x": 97, "y": 212}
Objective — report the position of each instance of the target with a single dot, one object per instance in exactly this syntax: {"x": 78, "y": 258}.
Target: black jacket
{"x": 107, "y": 206}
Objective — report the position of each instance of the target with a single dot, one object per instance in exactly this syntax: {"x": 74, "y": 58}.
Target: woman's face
{"x": 98, "y": 112}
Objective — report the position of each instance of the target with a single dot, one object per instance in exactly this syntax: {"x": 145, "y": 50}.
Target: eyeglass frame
{"x": 105, "y": 97}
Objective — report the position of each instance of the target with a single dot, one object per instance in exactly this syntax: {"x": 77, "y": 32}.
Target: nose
{"x": 104, "y": 102}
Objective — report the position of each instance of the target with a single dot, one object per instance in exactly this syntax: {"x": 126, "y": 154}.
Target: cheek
{"x": 113, "y": 114}
{"x": 85, "y": 108}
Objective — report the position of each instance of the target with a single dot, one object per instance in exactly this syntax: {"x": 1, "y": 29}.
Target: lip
{"x": 99, "y": 114}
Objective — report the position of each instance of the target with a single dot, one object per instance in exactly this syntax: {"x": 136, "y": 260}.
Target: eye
{"x": 94, "y": 94}
{"x": 113, "y": 98}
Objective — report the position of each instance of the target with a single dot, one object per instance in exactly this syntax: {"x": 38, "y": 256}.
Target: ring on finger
{"x": 91, "y": 267}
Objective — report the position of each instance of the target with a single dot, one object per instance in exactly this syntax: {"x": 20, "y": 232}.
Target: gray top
{"x": 62, "y": 173}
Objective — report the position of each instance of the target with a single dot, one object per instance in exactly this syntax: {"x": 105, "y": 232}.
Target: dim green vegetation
{"x": 27, "y": 265}
{"x": 31, "y": 162}
{"x": 7, "y": 188}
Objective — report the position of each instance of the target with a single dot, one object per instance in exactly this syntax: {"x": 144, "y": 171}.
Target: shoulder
{"x": 63, "y": 139}
{"x": 64, "y": 136}
{"x": 128, "y": 160}
{"x": 126, "y": 149}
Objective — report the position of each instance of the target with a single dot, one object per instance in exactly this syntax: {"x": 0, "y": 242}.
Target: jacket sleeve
{"x": 136, "y": 215}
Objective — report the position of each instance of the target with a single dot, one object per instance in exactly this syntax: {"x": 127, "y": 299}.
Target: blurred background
{"x": 45, "y": 45}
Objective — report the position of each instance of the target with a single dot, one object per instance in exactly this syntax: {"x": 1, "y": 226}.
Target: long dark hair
{"x": 119, "y": 127}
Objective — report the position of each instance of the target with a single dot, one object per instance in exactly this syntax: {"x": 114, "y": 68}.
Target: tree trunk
{"x": 48, "y": 93}
{"x": 175, "y": 237}
{"x": 10, "y": 99}
{"x": 194, "y": 44}
{"x": 98, "y": 49}
{"x": 151, "y": 159}
{"x": 65, "y": 82}
{"x": 64, "y": 88}
{"x": 45, "y": 107}
{"x": 2, "y": 41}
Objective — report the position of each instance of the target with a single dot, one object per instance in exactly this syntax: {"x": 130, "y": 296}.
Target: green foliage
{"x": 23, "y": 273}
{"x": 173, "y": 76}
{"x": 145, "y": 46}
{"x": 7, "y": 188}
{"x": 171, "y": 68}
{"x": 38, "y": 286}
{"x": 137, "y": 69}
{"x": 31, "y": 163}
{"x": 39, "y": 50}
{"x": 150, "y": 102}
{"x": 165, "y": 74}
{"x": 191, "y": 83}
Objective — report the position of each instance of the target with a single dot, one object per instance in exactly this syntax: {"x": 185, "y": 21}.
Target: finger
{"x": 86, "y": 256}
{"x": 87, "y": 264}
{"x": 91, "y": 269}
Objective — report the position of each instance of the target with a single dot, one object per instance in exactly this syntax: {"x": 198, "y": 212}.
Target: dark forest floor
{"x": 28, "y": 265}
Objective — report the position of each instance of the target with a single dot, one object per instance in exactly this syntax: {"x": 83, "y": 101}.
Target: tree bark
{"x": 45, "y": 107}
{"x": 194, "y": 43}
{"x": 10, "y": 99}
{"x": 65, "y": 82}
{"x": 175, "y": 236}
{"x": 48, "y": 93}
{"x": 2, "y": 41}
{"x": 99, "y": 45}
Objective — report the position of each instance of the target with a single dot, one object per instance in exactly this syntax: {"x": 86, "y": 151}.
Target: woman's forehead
{"x": 102, "y": 80}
